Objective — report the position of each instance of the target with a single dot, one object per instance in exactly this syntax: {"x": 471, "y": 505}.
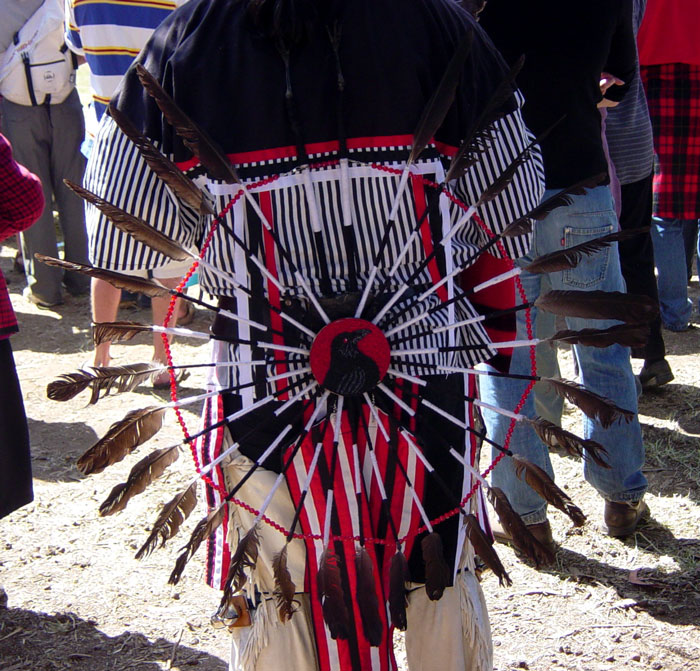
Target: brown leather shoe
{"x": 542, "y": 531}
{"x": 621, "y": 519}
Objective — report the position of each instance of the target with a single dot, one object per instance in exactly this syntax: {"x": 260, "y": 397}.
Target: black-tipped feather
{"x": 117, "y": 331}
{"x": 183, "y": 187}
{"x": 593, "y": 405}
{"x": 628, "y": 335}
{"x": 398, "y": 577}
{"x": 439, "y": 104}
{"x": 285, "y": 589}
{"x": 102, "y": 380}
{"x": 484, "y": 548}
{"x": 540, "y": 481}
{"x": 170, "y": 519}
{"x": 243, "y": 559}
{"x": 135, "y": 227}
{"x": 193, "y": 137}
{"x": 437, "y": 572}
{"x": 201, "y": 532}
{"x": 367, "y": 601}
{"x": 523, "y": 225}
{"x": 127, "y": 282}
{"x": 141, "y": 475}
{"x": 517, "y": 529}
{"x": 330, "y": 589}
{"x": 493, "y": 110}
{"x": 122, "y": 438}
{"x": 628, "y": 308}
{"x": 570, "y": 257}
{"x": 554, "y": 436}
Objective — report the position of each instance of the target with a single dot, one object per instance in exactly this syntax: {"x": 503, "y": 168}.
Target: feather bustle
{"x": 169, "y": 520}
{"x": 244, "y": 558}
{"x": 442, "y": 99}
{"x": 628, "y": 335}
{"x": 523, "y": 224}
{"x": 437, "y": 572}
{"x": 593, "y": 405}
{"x": 102, "y": 380}
{"x": 484, "y": 548}
{"x": 398, "y": 577}
{"x": 137, "y": 228}
{"x": 193, "y": 137}
{"x": 330, "y": 589}
{"x": 200, "y": 533}
{"x": 183, "y": 187}
{"x": 624, "y": 307}
{"x": 122, "y": 438}
{"x": 127, "y": 282}
{"x": 119, "y": 331}
{"x": 543, "y": 484}
{"x": 285, "y": 589}
{"x": 367, "y": 601}
{"x": 150, "y": 468}
{"x": 564, "y": 259}
{"x": 517, "y": 529}
{"x": 554, "y": 436}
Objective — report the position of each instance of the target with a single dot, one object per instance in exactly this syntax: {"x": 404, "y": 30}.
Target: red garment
{"x": 21, "y": 204}
{"x": 673, "y": 93}
{"x": 669, "y": 33}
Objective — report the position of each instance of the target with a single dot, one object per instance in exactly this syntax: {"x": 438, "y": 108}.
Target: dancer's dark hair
{"x": 289, "y": 21}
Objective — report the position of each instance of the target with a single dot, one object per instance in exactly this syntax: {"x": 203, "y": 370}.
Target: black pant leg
{"x": 637, "y": 258}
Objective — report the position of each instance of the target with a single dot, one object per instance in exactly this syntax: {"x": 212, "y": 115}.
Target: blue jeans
{"x": 669, "y": 239}
{"x": 605, "y": 371}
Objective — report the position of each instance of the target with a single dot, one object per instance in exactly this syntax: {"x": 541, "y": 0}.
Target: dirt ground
{"x": 77, "y": 598}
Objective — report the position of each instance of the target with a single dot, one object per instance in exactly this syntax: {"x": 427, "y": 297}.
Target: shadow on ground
{"x": 41, "y": 642}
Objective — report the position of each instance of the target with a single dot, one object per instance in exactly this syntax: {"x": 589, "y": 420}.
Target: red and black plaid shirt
{"x": 21, "y": 204}
{"x": 673, "y": 92}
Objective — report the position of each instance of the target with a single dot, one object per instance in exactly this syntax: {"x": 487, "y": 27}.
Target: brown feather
{"x": 330, "y": 590}
{"x": 524, "y": 224}
{"x": 518, "y": 531}
{"x": 117, "y": 331}
{"x": 594, "y": 406}
{"x": 540, "y": 481}
{"x": 127, "y": 282}
{"x": 628, "y": 335}
{"x": 398, "y": 577}
{"x": 439, "y": 104}
{"x": 477, "y": 137}
{"x": 285, "y": 589}
{"x": 629, "y": 308}
{"x": 68, "y": 385}
{"x": 170, "y": 519}
{"x": 554, "y": 436}
{"x": 201, "y": 532}
{"x": 570, "y": 257}
{"x": 484, "y": 548}
{"x": 245, "y": 557}
{"x": 103, "y": 380}
{"x": 141, "y": 475}
{"x": 183, "y": 187}
{"x": 193, "y": 137}
{"x": 437, "y": 572}
{"x": 367, "y": 601}
{"x": 122, "y": 438}
{"x": 135, "y": 227}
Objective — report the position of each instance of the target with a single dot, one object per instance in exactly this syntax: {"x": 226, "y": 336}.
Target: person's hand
{"x": 607, "y": 80}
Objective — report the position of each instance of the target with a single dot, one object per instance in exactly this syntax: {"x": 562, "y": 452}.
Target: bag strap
{"x": 27, "y": 71}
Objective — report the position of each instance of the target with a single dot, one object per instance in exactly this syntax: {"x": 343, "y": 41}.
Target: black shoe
{"x": 654, "y": 375}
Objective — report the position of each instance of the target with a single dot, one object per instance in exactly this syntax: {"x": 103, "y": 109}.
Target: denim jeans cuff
{"x": 536, "y": 517}
{"x": 626, "y": 497}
